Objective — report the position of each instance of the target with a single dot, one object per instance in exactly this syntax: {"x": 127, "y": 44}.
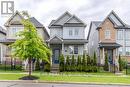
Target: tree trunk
{"x": 30, "y": 67}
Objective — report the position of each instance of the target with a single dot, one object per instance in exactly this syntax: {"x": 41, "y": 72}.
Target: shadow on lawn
{"x": 29, "y": 78}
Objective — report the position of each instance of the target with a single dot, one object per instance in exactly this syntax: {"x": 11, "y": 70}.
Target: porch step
{"x": 55, "y": 68}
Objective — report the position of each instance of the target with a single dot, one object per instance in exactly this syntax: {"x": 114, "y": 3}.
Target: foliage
{"x": 79, "y": 64}
{"x": 120, "y": 63}
{"x": 29, "y": 45}
{"x": 68, "y": 64}
{"x": 73, "y": 64}
{"x": 106, "y": 66}
{"x": 61, "y": 62}
{"x": 94, "y": 59}
{"x": 84, "y": 63}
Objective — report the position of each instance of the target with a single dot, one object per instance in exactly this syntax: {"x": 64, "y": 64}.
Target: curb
{"x": 63, "y": 82}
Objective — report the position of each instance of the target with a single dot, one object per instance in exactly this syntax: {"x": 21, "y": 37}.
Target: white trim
{"x": 56, "y": 37}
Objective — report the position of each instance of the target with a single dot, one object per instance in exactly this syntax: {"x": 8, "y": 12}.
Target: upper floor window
{"x": 127, "y": 34}
{"x": 120, "y": 34}
{"x": 76, "y": 32}
{"x": 70, "y": 32}
{"x": 127, "y": 50}
{"x": 107, "y": 34}
{"x": 13, "y": 31}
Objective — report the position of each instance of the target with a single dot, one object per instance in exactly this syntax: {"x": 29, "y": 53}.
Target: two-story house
{"x": 67, "y": 36}
{"x": 13, "y": 26}
{"x": 111, "y": 36}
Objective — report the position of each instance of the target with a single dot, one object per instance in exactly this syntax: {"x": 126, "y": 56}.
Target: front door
{"x": 110, "y": 56}
{"x": 56, "y": 55}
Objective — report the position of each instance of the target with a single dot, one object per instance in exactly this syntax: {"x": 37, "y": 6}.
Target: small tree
{"x": 88, "y": 60}
{"x": 68, "y": 63}
{"x": 106, "y": 65}
{"x": 94, "y": 59}
{"x": 120, "y": 63}
{"x": 30, "y": 45}
{"x": 84, "y": 62}
{"x": 62, "y": 65}
{"x": 73, "y": 64}
{"x": 79, "y": 64}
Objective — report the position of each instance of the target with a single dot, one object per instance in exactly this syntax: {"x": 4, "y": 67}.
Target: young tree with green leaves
{"x": 79, "y": 64}
{"x": 106, "y": 65}
{"x": 84, "y": 62}
{"x": 61, "y": 62}
{"x": 29, "y": 45}
{"x": 94, "y": 59}
{"x": 73, "y": 64}
{"x": 120, "y": 63}
{"x": 68, "y": 63}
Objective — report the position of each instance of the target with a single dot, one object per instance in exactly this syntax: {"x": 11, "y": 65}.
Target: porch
{"x": 111, "y": 51}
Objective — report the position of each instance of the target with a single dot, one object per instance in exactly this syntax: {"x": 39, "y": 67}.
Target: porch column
{"x": 62, "y": 48}
{"x": 48, "y": 44}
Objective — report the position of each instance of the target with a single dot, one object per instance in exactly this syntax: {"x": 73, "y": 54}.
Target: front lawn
{"x": 71, "y": 77}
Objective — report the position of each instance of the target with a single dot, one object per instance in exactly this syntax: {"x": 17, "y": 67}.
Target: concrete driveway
{"x": 22, "y": 84}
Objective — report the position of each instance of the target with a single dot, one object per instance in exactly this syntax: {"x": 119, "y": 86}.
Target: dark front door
{"x": 110, "y": 56}
{"x": 56, "y": 55}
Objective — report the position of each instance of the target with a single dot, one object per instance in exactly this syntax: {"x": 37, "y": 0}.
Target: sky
{"x": 87, "y": 10}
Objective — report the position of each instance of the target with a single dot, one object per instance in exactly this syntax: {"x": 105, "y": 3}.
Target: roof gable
{"x": 113, "y": 17}
{"x": 36, "y": 23}
{"x": 74, "y": 19}
{"x": 14, "y": 19}
{"x": 62, "y": 19}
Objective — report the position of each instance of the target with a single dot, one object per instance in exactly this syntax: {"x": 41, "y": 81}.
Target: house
{"x": 111, "y": 36}
{"x": 2, "y": 47}
{"x": 67, "y": 37}
{"x": 13, "y": 26}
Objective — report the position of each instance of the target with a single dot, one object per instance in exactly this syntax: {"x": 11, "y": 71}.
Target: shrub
{"x": 94, "y": 59}
{"x": 67, "y": 64}
{"x": 73, "y": 64}
{"x": 84, "y": 63}
{"x": 79, "y": 64}
{"x": 106, "y": 66}
{"x": 37, "y": 67}
{"x": 88, "y": 60}
{"x": 61, "y": 62}
{"x": 120, "y": 63}
{"x": 47, "y": 67}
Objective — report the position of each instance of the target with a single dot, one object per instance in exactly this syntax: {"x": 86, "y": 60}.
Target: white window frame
{"x": 107, "y": 34}
{"x": 76, "y": 32}
{"x": 119, "y": 34}
{"x": 70, "y": 32}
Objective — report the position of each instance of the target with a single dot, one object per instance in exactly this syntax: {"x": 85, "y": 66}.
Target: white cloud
{"x": 87, "y": 10}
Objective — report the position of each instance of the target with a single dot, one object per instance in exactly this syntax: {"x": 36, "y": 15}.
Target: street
{"x": 22, "y": 84}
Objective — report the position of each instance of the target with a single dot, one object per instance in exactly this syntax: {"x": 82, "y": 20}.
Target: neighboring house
{"x": 2, "y": 46}
{"x": 111, "y": 36}
{"x": 67, "y": 37}
{"x": 13, "y": 26}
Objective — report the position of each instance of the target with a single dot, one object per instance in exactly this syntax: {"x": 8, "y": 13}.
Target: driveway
{"x": 19, "y": 84}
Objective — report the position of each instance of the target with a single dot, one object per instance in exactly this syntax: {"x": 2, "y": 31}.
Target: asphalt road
{"x": 22, "y": 84}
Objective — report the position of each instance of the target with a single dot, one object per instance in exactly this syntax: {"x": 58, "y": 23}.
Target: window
{"x": 120, "y": 51}
{"x": 76, "y": 32}
{"x": 120, "y": 34}
{"x": 127, "y": 34}
{"x": 75, "y": 49}
{"x": 127, "y": 50}
{"x": 14, "y": 30}
{"x": 107, "y": 34}
{"x": 70, "y": 33}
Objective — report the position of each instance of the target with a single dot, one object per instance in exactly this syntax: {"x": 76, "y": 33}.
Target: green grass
{"x": 105, "y": 77}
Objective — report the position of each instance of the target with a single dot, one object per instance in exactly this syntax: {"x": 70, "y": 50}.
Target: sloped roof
{"x": 8, "y": 21}
{"x": 2, "y": 30}
{"x": 36, "y": 23}
{"x": 96, "y": 23}
{"x": 65, "y": 18}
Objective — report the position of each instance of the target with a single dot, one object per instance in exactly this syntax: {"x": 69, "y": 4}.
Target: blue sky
{"x": 86, "y": 10}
